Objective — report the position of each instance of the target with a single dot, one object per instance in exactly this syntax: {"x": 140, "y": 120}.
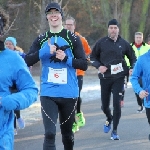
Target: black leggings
{"x": 123, "y": 93}
{"x": 17, "y": 116}
{"x": 80, "y": 84}
{"x": 106, "y": 86}
{"x": 52, "y": 107}
{"x": 126, "y": 80}
{"x": 148, "y": 114}
{"x": 139, "y": 100}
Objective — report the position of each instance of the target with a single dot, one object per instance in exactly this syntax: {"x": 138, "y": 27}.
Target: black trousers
{"x": 106, "y": 88}
{"x": 80, "y": 84}
{"x": 52, "y": 107}
{"x": 148, "y": 114}
{"x": 139, "y": 100}
{"x": 17, "y": 116}
{"x": 126, "y": 80}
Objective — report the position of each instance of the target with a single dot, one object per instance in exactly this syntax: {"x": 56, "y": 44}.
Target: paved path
{"x": 133, "y": 128}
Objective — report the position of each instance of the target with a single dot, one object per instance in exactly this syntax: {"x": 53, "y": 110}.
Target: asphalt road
{"x": 133, "y": 130}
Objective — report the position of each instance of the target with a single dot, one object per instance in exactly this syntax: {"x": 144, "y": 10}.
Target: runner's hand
{"x": 52, "y": 47}
{"x": 143, "y": 94}
{"x": 102, "y": 69}
{"x": 130, "y": 72}
{"x": 60, "y": 54}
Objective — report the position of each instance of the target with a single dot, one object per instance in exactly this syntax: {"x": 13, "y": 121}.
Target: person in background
{"x": 108, "y": 57}
{"x": 61, "y": 53}
{"x": 148, "y": 40}
{"x": 140, "y": 48}
{"x": 13, "y": 71}
{"x": 126, "y": 80}
{"x": 11, "y": 43}
{"x": 142, "y": 71}
{"x": 123, "y": 93}
{"x": 70, "y": 24}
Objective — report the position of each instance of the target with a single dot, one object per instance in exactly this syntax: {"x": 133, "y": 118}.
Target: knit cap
{"x": 12, "y": 39}
{"x": 113, "y": 22}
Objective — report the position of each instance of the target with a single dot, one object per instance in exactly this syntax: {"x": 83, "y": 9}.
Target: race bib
{"x": 116, "y": 68}
{"x": 57, "y": 75}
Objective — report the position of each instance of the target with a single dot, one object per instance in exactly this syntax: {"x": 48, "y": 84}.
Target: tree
{"x": 92, "y": 17}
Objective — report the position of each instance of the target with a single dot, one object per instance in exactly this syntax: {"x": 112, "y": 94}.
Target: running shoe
{"x": 80, "y": 119}
{"x": 107, "y": 127}
{"x": 141, "y": 109}
{"x": 21, "y": 123}
{"x": 15, "y": 131}
{"x": 75, "y": 127}
{"x": 114, "y": 136}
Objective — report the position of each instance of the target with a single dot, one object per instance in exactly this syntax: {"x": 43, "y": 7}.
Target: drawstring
{"x": 74, "y": 108}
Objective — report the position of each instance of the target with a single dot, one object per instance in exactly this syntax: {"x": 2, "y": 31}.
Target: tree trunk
{"x": 125, "y": 32}
{"x": 144, "y": 15}
{"x": 90, "y": 12}
{"x": 106, "y": 10}
{"x": 116, "y": 3}
{"x": 43, "y": 22}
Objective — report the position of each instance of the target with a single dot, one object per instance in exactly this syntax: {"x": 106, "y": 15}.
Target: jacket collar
{"x": 133, "y": 43}
{"x": 112, "y": 39}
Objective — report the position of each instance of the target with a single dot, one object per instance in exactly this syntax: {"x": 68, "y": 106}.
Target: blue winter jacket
{"x": 52, "y": 84}
{"x": 66, "y": 90}
{"x": 142, "y": 69}
{"x": 13, "y": 69}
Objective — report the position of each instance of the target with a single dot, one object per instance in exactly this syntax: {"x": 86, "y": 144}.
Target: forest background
{"x": 28, "y": 20}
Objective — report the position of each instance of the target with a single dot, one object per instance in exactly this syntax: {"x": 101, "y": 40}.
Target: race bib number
{"x": 116, "y": 68}
{"x": 57, "y": 75}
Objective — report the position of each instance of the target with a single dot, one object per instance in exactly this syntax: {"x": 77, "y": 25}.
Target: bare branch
{"x": 36, "y": 28}
{"x": 60, "y": 3}
{"x": 16, "y": 5}
{"x": 37, "y": 5}
{"x": 12, "y": 23}
{"x": 65, "y": 8}
{"x": 66, "y": 5}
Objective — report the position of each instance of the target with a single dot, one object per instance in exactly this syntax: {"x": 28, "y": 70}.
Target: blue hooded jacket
{"x": 142, "y": 69}
{"x": 13, "y": 69}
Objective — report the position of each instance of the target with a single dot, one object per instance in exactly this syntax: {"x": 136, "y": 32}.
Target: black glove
{"x": 63, "y": 48}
